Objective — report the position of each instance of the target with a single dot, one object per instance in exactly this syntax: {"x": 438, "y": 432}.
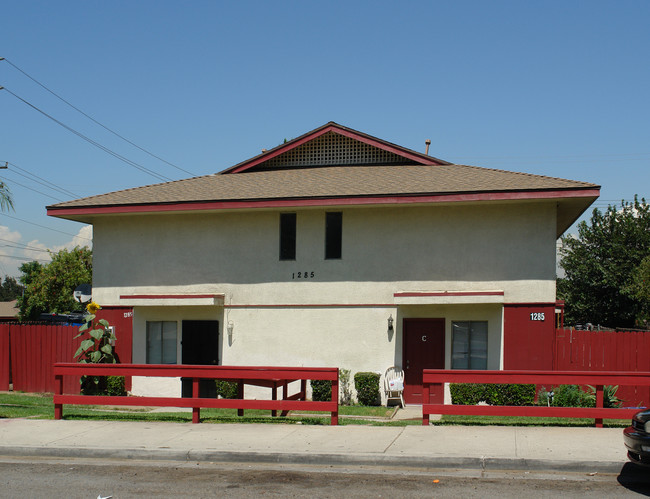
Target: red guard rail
{"x": 272, "y": 377}
{"x": 546, "y": 378}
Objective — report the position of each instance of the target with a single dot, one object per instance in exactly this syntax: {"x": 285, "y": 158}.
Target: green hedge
{"x": 226, "y": 389}
{"x": 367, "y": 386}
{"x": 103, "y": 385}
{"x": 575, "y": 396}
{"x": 321, "y": 390}
{"x": 115, "y": 385}
{"x": 492, "y": 394}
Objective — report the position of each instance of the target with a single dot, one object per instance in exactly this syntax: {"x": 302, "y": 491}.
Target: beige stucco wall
{"x": 338, "y": 317}
{"x": 509, "y": 247}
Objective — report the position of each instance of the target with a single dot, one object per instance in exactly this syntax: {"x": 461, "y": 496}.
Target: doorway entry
{"x": 200, "y": 345}
{"x": 423, "y": 348}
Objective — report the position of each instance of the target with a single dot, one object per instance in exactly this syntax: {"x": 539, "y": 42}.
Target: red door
{"x": 424, "y": 348}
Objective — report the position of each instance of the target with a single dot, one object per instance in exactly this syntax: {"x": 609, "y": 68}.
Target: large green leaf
{"x": 87, "y": 344}
{"x": 96, "y": 356}
{"x": 97, "y": 333}
{"x": 79, "y": 350}
{"x": 104, "y": 322}
{"x": 84, "y": 327}
{"x": 107, "y": 349}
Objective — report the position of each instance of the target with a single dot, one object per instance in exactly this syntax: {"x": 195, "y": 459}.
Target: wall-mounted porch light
{"x": 230, "y": 328}
{"x": 390, "y": 322}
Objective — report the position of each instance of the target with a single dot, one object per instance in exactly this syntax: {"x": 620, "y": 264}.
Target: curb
{"x": 372, "y": 460}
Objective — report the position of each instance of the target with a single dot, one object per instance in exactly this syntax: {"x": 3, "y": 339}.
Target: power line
{"x": 45, "y": 227}
{"x": 24, "y": 259}
{"x": 568, "y": 157}
{"x": 44, "y": 182}
{"x": 95, "y": 121}
{"x": 34, "y": 190}
{"x": 144, "y": 169}
{"x": 23, "y": 246}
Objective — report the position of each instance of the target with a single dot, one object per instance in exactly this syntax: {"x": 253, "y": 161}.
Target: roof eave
{"x": 573, "y": 201}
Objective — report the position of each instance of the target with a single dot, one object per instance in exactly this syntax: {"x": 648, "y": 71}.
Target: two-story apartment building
{"x": 336, "y": 249}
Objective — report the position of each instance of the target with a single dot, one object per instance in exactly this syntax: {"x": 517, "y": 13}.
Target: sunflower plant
{"x": 96, "y": 347}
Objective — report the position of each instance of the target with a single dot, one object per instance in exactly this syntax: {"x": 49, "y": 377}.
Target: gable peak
{"x": 334, "y": 145}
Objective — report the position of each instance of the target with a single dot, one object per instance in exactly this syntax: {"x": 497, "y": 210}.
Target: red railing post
{"x": 240, "y": 395}
{"x": 58, "y": 408}
{"x": 285, "y": 394}
{"x": 600, "y": 399}
{"x": 274, "y": 396}
{"x": 335, "y": 399}
{"x": 196, "y": 410}
{"x": 425, "y": 400}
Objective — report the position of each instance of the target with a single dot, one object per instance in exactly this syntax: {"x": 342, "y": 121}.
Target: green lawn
{"x": 40, "y": 406}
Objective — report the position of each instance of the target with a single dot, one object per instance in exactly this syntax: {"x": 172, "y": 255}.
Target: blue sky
{"x": 556, "y": 88}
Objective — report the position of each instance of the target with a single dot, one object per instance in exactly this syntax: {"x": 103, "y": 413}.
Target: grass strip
{"x": 40, "y": 406}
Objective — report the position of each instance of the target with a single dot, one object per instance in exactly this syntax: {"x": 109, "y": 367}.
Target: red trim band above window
{"x": 168, "y": 297}
{"x": 411, "y": 294}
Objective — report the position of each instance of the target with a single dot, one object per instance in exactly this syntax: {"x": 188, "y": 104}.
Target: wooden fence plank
{"x": 4, "y": 357}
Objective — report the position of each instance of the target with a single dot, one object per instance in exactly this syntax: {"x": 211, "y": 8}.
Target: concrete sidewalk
{"x": 465, "y": 447}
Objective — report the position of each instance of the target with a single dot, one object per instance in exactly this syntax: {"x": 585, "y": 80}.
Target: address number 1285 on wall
{"x": 302, "y": 275}
{"x": 537, "y": 316}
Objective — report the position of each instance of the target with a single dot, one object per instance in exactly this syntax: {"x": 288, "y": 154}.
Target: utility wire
{"x": 95, "y": 121}
{"x": 24, "y": 259}
{"x": 14, "y": 182}
{"x": 144, "y": 169}
{"x": 24, "y": 248}
{"x": 44, "y": 182}
{"x": 45, "y": 227}
{"x": 38, "y": 192}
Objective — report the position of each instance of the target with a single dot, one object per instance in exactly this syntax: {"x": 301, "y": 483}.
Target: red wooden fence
{"x": 35, "y": 348}
{"x": 606, "y": 351}
{"x": 4, "y": 360}
{"x": 548, "y": 378}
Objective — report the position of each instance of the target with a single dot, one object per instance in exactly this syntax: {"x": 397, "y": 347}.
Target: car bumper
{"x": 638, "y": 446}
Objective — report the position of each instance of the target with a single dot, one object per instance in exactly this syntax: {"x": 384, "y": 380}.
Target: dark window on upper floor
{"x": 287, "y": 236}
{"x": 333, "y": 234}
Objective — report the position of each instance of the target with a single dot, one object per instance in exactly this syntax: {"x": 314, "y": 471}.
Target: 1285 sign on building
{"x": 537, "y": 316}
{"x": 303, "y": 275}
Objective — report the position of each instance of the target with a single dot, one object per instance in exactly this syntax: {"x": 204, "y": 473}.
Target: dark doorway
{"x": 424, "y": 348}
{"x": 200, "y": 345}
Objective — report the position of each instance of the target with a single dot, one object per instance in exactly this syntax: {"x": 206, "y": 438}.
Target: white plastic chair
{"x": 394, "y": 384}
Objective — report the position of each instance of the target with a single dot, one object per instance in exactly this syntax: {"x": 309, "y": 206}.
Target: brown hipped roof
{"x": 336, "y": 165}
{"x": 330, "y": 182}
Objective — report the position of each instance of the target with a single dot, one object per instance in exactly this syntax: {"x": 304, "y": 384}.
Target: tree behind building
{"x": 601, "y": 265}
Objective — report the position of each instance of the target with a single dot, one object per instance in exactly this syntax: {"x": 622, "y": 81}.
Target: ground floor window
{"x": 162, "y": 338}
{"x": 469, "y": 344}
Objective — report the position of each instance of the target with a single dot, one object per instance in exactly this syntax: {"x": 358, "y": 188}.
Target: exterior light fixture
{"x": 231, "y": 326}
{"x": 390, "y": 322}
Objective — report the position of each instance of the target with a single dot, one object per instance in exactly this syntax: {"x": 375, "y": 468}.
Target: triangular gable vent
{"x": 333, "y": 145}
{"x": 333, "y": 149}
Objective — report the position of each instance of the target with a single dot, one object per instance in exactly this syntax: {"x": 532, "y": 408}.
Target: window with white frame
{"x": 162, "y": 338}
{"x": 469, "y": 344}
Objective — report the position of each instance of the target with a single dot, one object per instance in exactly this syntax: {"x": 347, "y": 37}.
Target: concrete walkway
{"x": 466, "y": 447}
